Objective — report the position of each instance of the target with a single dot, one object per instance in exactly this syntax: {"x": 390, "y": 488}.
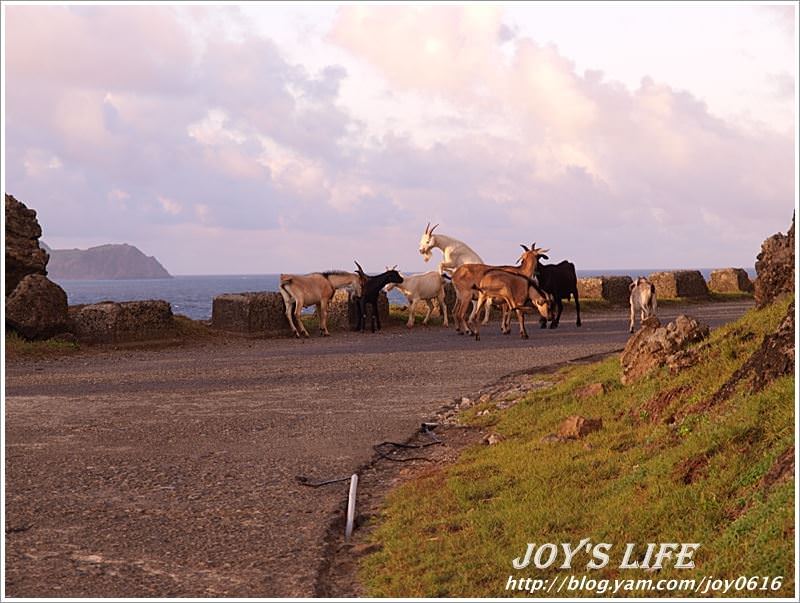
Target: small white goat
{"x": 425, "y": 287}
{"x": 643, "y": 298}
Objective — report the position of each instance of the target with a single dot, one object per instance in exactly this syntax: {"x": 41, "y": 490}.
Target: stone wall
{"x": 263, "y": 313}
{"x": 614, "y": 289}
{"x": 255, "y": 312}
{"x": 730, "y": 280}
{"x": 681, "y": 283}
{"x": 383, "y": 313}
{"x": 118, "y": 322}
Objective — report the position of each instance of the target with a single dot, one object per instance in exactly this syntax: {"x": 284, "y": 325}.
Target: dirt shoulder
{"x": 172, "y": 472}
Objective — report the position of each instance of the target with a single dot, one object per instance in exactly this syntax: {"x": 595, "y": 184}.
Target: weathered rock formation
{"x": 104, "y": 262}
{"x": 681, "y": 283}
{"x": 730, "y": 280}
{"x": 23, "y": 255}
{"x": 775, "y": 267}
{"x": 117, "y": 322}
{"x": 653, "y": 346}
{"x": 37, "y": 308}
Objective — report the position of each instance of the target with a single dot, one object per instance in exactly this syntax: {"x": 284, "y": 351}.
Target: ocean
{"x": 192, "y": 295}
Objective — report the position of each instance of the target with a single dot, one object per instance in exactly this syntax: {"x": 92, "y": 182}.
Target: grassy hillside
{"x": 662, "y": 469}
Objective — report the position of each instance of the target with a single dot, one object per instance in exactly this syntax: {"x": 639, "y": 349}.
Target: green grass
{"x": 454, "y": 531}
{"x": 17, "y": 347}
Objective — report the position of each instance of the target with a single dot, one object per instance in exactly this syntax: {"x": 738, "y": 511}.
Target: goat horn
{"x": 525, "y": 248}
{"x": 428, "y": 228}
{"x": 431, "y": 230}
{"x": 360, "y": 269}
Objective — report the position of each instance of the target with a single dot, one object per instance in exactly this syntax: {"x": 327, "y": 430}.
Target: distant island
{"x": 104, "y": 262}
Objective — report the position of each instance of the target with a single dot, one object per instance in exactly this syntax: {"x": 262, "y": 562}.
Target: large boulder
{"x": 37, "y": 308}
{"x": 681, "y": 283}
{"x": 775, "y": 267}
{"x": 653, "y": 346}
{"x": 730, "y": 280}
{"x": 252, "y": 313}
{"x": 118, "y": 322}
{"x": 23, "y": 254}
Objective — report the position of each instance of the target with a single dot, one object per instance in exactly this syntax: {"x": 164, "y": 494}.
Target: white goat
{"x": 456, "y": 253}
{"x": 425, "y": 287}
{"x": 643, "y": 298}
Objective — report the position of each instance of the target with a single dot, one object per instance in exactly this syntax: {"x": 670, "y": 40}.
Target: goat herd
{"x": 527, "y": 286}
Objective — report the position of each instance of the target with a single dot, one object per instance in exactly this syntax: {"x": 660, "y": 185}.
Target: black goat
{"x": 560, "y": 281}
{"x": 371, "y": 286}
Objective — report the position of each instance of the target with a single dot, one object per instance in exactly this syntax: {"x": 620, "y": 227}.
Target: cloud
{"x": 129, "y": 123}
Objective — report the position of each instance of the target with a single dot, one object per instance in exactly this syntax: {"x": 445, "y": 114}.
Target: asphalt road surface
{"x": 171, "y": 472}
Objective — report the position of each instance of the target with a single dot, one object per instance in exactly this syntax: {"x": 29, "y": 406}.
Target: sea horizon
{"x": 192, "y": 294}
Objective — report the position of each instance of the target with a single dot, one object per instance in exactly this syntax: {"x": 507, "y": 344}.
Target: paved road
{"x": 170, "y": 472}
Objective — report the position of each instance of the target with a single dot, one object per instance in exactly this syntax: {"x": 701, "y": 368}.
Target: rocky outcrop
{"x": 118, "y": 322}
{"x": 730, "y": 280}
{"x": 37, "y": 308}
{"x": 23, "y": 255}
{"x": 681, "y": 283}
{"x": 773, "y": 359}
{"x": 775, "y": 267}
{"x": 614, "y": 289}
{"x": 104, "y": 262}
{"x": 653, "y": 346}
{"x": 251, "y": 313}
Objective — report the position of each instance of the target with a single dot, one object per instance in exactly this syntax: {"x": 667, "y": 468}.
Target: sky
{"x": 252, "y": 139}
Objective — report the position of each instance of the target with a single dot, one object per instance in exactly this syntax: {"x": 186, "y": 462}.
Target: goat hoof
{"x": 554, "y": 325}
{"x": 577, "y": 324}
{"x": 631, "y": 331}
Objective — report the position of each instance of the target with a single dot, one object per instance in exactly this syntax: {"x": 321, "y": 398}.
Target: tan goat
{"x": 315, "y": 289}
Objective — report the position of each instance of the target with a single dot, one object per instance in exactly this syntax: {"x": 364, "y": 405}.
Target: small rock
{"x": 588, "y": 446}
{"x": 552, "y": 438}
{"x": 576, "y": 426}
{"x": 492, "y": 439}
{"x": 590, "y": 391}
{"x": 466, "y": 401}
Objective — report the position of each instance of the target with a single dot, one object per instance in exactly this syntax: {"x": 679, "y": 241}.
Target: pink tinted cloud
{"x": 238, "y": 139}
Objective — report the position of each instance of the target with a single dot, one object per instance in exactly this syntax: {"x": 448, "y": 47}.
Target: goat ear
{"x": 524, "y": 247}
{"x": 394, "y": 267}
{"x": 431, "y": 230}
{"x": 544, "y": 256}
{"x": 631, "y": 286}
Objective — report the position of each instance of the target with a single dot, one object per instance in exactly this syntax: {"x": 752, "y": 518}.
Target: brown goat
{"x": 515, "y": 290}
{"x": 467, "y": 276}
